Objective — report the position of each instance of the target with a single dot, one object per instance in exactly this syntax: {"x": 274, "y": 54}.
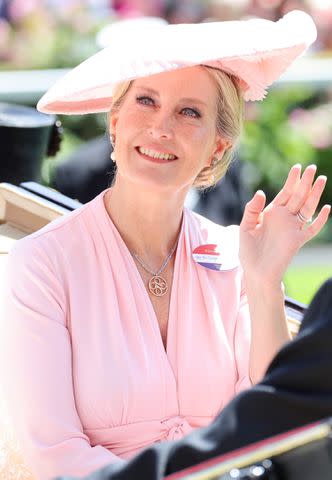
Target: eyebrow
{"x": 185, "y": 99}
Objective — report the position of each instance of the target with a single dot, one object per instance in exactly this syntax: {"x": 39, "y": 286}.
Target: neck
{"x": 149, "y": 222}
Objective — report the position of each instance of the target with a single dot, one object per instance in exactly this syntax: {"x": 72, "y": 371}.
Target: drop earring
{"x": 212, "y": 165}
{"x": 112, "y": 139}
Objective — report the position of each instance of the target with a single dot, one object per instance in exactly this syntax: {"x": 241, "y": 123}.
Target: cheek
{"x": 188, "y": 132}
{"x": 202, "y": 140}
{"x": 128, "y": 122}
{"x": 135, "y": 117}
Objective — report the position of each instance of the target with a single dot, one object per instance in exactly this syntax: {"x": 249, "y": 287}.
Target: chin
{"x": 157, "y": 181}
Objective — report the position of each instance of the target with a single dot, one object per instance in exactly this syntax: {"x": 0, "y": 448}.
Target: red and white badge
{"x": 211, "y": 256}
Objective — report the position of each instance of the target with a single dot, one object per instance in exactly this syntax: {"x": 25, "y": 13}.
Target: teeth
{"x": 153, "y": 154}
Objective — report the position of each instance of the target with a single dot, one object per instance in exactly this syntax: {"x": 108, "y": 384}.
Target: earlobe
{"x": 113, "y": 119}
{"x": 222, "y": 147}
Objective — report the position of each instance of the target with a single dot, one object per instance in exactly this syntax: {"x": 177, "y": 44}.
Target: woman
{"x": 130, "y": 319}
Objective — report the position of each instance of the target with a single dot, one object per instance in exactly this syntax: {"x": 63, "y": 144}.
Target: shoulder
{"x": 210, "y": 230}
{"x": 65, "y": 233}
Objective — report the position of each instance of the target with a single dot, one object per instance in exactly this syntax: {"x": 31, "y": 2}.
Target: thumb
{"x": 253, "y": 210}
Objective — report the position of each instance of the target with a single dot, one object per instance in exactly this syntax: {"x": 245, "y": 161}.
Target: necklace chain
{"x": 164, "y": 265}
{"x": 157, "y": 285}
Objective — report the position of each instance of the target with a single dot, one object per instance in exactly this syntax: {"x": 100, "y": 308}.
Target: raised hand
{"x": 271, "y": 236}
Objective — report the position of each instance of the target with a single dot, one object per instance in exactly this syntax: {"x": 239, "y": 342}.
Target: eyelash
{"x": 142, "y": 100}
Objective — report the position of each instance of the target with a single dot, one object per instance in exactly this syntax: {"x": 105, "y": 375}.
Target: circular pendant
{"x": 158, "y": 286}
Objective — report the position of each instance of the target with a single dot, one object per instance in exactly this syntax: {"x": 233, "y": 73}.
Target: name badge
{"x": 212, "y": 257}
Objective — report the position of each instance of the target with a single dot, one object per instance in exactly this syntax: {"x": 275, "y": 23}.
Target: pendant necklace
{"x": 157, "y": 285}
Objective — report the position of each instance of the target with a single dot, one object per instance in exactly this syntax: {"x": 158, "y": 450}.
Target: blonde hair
{"x": 229, "y": 122}
{"x": 118, "y": 97}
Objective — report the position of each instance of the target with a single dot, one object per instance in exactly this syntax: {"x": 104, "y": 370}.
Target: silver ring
{"x": 302, "y": 218}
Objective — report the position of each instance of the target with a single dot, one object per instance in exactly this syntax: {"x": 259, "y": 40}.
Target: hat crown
{"x": 256, "y": 52}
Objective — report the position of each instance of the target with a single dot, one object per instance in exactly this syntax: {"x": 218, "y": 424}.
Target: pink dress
{"x": 87, "y": 379}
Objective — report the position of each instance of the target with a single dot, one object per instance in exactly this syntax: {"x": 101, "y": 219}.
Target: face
{"x": 165, "y": 129}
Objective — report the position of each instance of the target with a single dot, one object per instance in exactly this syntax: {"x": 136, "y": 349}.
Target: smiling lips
{"x": 155, "y": 156}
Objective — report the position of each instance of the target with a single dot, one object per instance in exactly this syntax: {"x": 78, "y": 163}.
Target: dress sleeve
{"x": 36, "y": 364}
{"x": 242, "y": 343}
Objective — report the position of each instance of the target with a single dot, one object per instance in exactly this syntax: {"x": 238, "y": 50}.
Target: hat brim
{"x": 256, "y": 52}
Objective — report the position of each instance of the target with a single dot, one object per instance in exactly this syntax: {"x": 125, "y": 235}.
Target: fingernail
{"x": 328, "y": 208}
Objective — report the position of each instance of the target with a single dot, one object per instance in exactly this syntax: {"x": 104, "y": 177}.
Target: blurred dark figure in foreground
{"x": 89, "y": 170}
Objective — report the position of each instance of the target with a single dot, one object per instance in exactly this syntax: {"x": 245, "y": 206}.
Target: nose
{"x": 161, "y": 126}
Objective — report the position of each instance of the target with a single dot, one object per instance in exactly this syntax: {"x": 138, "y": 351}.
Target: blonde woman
{"x": 133, "y": 320}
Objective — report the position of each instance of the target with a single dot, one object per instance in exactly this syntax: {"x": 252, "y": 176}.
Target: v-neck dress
{"x": 87, "y": 379}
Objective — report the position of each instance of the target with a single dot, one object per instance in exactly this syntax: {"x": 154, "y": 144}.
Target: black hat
{"x": 26, "y": 137}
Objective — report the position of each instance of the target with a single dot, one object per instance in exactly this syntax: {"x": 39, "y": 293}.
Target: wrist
{"x": 261, "y": 286}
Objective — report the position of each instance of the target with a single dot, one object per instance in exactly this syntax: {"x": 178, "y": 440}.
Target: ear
{"x": 220, "y": 148}
{"x": 113, "y": 119}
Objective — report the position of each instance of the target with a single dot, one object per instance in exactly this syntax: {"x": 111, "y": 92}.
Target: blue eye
{"x": 144, "y": 100}
{"x": 191, "y": 112}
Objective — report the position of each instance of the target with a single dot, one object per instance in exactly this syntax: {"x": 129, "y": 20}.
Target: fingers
{"x": 309, "y": 207}
{"x": 253, "y": 210}
{"x": 292, "y": 181}
{"x": 302, "y": 190}
{"x": 299, "y": 195}
{"x": 317, "y": 224}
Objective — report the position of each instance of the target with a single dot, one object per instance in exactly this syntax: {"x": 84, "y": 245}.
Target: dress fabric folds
{"x": 86, "y": 354}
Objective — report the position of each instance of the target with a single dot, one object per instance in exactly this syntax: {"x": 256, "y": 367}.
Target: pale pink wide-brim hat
{"x": 256, "y": 52}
